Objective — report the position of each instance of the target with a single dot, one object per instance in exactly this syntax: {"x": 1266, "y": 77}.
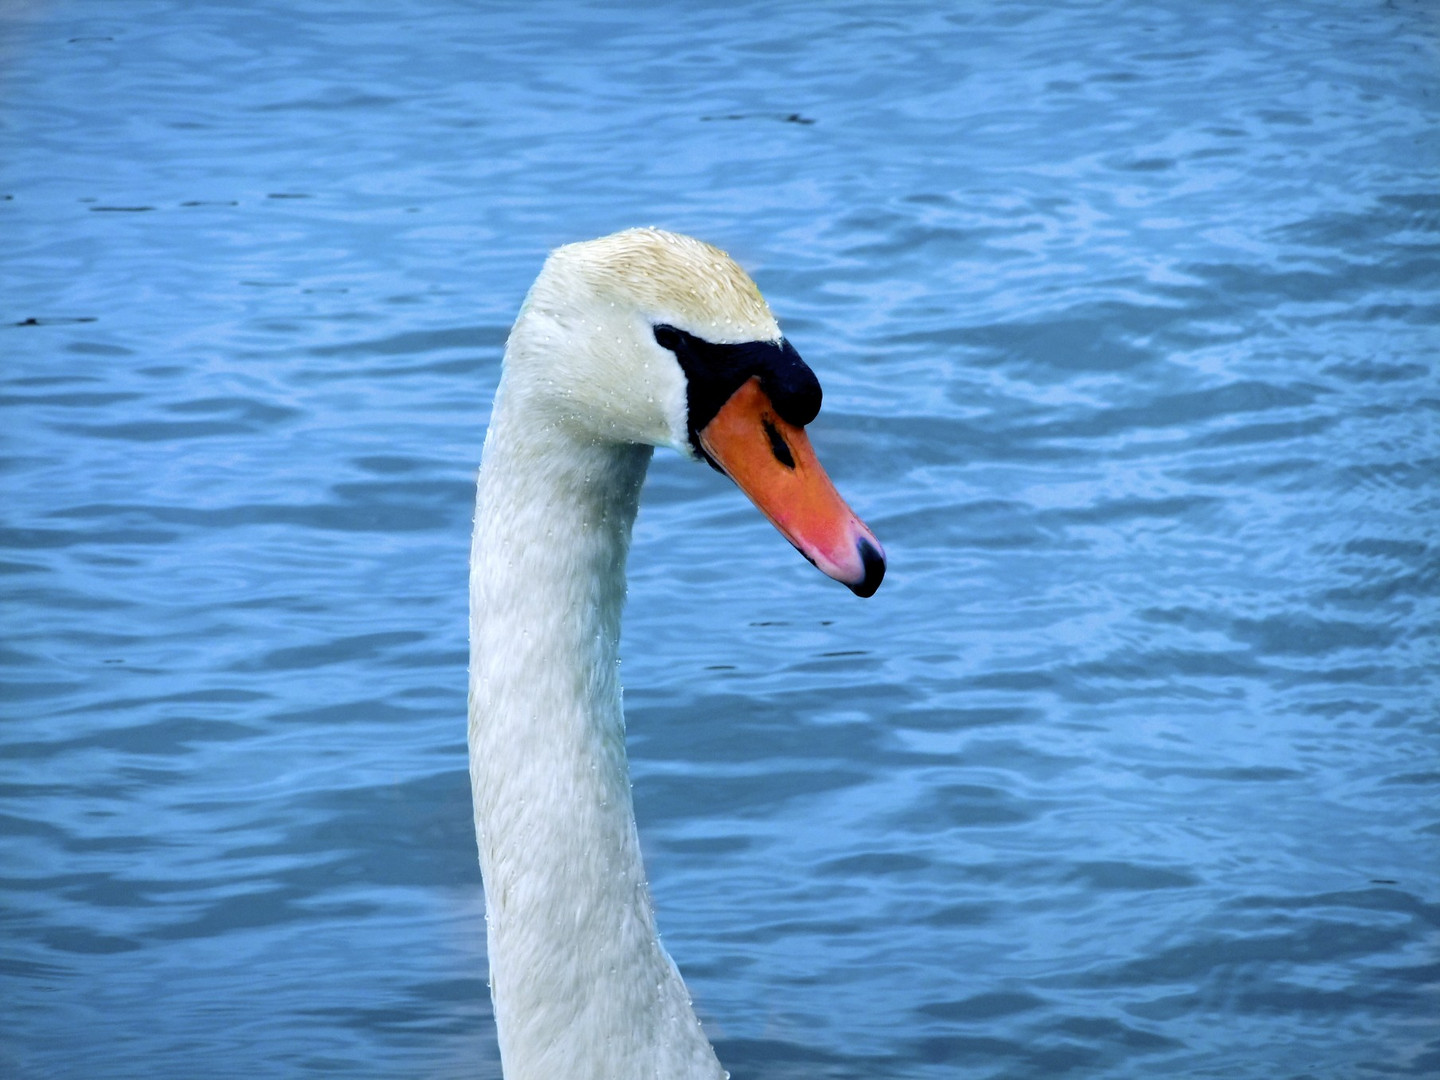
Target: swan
{"x": 640, "y": 339}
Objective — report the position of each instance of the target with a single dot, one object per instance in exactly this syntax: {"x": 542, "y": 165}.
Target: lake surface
{"x": 1128, "y": 318}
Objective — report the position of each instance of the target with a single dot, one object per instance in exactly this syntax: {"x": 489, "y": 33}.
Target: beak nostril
{"x": 778, "y": 446}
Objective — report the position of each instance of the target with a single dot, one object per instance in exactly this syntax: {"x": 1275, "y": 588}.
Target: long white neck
{"x": 582, "y": 988}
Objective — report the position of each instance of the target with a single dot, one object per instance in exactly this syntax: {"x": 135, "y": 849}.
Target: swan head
{"x": 651, "y": 337}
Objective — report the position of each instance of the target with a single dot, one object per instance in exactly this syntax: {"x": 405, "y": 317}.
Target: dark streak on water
{"x": 1127, "y": 317}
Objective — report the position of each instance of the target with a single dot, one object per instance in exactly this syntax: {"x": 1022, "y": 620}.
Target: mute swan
{"x": 633, "y": 341}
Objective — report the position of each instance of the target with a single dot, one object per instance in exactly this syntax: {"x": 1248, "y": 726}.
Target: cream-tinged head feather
{"x": 674, "y": 279}
{"x": 583, "y": 352}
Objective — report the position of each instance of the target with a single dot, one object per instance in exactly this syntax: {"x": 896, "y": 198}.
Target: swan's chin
{"x": 772, "y": 461}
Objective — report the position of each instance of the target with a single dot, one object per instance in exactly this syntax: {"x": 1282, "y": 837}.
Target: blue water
{"x": 1128, "y": 317}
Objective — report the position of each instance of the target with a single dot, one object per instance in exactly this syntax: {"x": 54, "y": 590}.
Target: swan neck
{"x": 580, "y": 983}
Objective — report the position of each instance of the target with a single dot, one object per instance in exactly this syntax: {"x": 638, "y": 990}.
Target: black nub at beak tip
{"x": 874, "y": 564}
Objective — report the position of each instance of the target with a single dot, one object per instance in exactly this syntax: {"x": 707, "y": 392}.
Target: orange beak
{"x": 773, "y": 463}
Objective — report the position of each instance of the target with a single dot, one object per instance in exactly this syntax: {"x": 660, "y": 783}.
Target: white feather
{"x": 582, "y": 988}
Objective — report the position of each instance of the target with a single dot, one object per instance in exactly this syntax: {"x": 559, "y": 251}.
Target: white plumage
{"x": 582, "y": 988}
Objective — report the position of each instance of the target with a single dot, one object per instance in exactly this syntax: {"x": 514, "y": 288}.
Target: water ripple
{"x": 1125, "y": 317}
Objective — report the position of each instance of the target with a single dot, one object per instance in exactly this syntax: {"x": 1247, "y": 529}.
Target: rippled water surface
{"x": 1127, "y": 319}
